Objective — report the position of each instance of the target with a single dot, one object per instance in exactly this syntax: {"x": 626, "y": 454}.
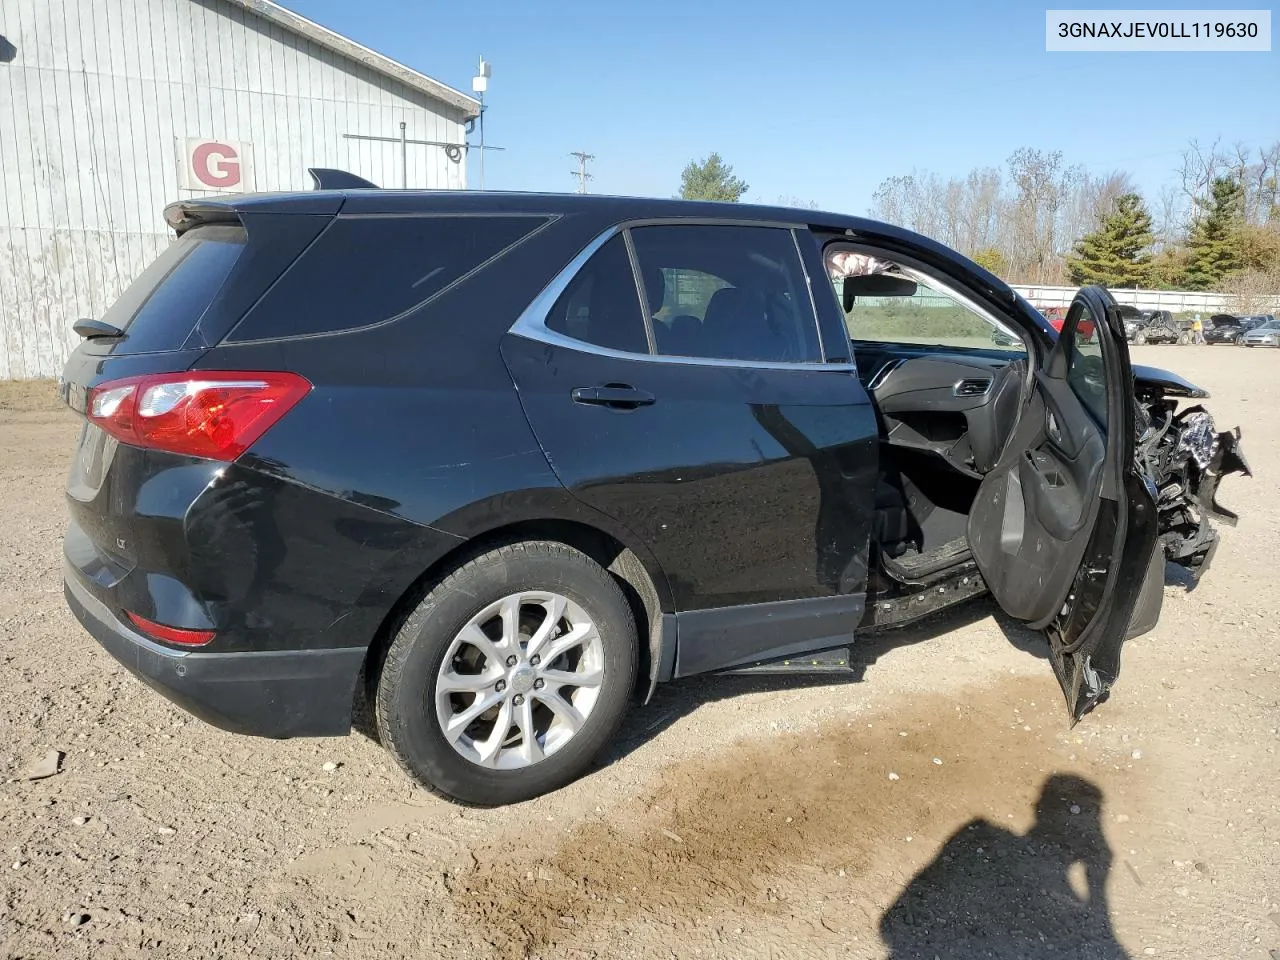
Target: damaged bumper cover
{"x": 1186, "y": 457}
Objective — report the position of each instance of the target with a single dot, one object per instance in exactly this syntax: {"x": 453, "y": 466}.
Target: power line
{"x": 581, "y": 172}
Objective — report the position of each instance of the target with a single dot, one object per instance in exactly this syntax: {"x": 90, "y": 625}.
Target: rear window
{"x": 161, "y": 307}
{"x": 367, "y": 269}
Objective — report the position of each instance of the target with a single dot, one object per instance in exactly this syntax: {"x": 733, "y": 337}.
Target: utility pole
{"x": 581, "y": 172}
{"x": 479, "y": 84}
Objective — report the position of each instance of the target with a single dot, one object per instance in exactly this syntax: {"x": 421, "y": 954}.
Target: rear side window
{"x": 602, "y": 306}
{"x": 727, "y": 293}
{"x": 159, "y": 309}
{"x": 365, "y": 270}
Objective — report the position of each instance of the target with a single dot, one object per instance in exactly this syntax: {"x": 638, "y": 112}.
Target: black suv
{"x": 494, "y": 463}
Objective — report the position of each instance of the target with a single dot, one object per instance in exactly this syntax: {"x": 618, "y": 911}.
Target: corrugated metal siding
{"x": 92, "y": 107}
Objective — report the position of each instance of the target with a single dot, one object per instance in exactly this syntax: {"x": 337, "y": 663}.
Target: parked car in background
{"x": 1225, "y": 328}
{"x": 1266, "y": 334}
{"x": 1056, "y": 316}
{"x": 1160, "y": 327}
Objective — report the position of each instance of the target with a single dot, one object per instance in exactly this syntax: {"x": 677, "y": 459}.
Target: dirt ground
{"x": 936, "y": 804}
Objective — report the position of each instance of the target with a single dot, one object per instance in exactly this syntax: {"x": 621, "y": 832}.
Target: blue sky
{"x": 818, "y": 101}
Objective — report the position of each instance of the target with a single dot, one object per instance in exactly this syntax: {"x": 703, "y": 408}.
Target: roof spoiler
{"x": 326, "y": 178}
{"x": 185, "y": 214}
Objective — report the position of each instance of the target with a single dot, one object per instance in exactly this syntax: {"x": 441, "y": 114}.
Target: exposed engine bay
{"x": 1185, "y": 456}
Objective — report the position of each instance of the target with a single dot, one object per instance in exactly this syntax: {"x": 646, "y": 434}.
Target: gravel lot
{"x": 937, "y": 805}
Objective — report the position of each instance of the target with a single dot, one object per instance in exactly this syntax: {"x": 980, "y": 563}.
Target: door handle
{"x": 619, "y": 396}
{"x": 1052, "y": 428}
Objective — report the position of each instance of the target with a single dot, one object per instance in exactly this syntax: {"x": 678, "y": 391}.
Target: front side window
{"x": 1086, "y": 374}
{"x": 886, "y": 302}
{"x": 727, "y": 293}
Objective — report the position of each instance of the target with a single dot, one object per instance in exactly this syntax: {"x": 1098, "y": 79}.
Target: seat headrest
{"x": 736, "y": 327}
{"x": 731, "y": 306}
{"x": 655, "y": 287}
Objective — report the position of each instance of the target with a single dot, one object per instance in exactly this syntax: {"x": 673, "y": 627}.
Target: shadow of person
{"x": 992, "y": 893}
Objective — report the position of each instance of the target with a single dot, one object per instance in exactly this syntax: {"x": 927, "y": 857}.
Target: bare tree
{"x": 791, "y": 200}
{"x": 1261, "y": 180}
{"x": 1254, "y": 291}
{"x": 1040, "y": 182}
{"x": 983, "y": 209}
{"x": 890, "y": 202}
{"x": 1168, "y": 216}
{"x": 1033, "y": 213}
{"x": 1200, "y": 167}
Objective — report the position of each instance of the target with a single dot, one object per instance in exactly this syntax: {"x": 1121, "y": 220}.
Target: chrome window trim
{"x": 650, "y": 337}
{"x": 813, "y": 304}
{"x": 532, "y": 322}
{"x": 881, "y": 375}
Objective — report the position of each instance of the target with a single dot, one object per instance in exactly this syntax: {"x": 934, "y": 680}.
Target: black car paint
{"x": 293, "y": 550}
{"x": 1170, "y": 384}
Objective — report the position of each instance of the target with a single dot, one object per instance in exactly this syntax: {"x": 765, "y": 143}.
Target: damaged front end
{"x": 1185, "y": 457}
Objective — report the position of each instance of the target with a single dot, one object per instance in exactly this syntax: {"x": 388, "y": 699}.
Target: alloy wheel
{"x": 519, "y": 680}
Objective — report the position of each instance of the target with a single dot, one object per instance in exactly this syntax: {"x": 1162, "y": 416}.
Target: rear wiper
{"x": 93, "y": 329}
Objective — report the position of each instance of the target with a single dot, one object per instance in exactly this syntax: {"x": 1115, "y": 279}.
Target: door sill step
{"x": 835, "y": 660}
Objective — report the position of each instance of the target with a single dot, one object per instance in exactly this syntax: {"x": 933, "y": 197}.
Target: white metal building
{"x": 110, "y": 109}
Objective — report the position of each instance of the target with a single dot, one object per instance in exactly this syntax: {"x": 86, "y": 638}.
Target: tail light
{"x": 188, "y": 638}
{"x": 213, "y": 414}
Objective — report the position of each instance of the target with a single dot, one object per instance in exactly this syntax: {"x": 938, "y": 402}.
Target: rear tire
{"x": 530, "y": 740}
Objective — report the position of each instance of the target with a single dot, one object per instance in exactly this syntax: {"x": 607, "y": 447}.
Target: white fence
{"x": 1175, "y": 301}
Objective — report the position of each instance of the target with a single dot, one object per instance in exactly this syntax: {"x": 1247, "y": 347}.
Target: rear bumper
{"x": 288, "y": 693}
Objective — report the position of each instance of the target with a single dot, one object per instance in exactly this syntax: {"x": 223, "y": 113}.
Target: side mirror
{"x": 875, "y": 285}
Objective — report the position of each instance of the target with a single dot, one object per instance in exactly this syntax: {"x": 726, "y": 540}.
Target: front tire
{"x": 510, "y": 675}
{"x": 1139, "y": 338}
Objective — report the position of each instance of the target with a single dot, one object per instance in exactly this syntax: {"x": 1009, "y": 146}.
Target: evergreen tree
{"x": 1167, "y": 269}
{"x": 1117, "y": 253}
{"x": 712, "y": 179}
{"x": 989, "y": 258}
{"x": 1215, "y": 249}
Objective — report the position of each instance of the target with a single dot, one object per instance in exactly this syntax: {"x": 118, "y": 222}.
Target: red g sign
{"x": 216, "y": 165}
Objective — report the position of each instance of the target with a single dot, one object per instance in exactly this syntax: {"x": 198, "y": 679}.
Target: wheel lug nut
{"x": 535, "y": 660}
{"x": 539, "y": 684}
{"x": 517, "y": 699}
{"x": 512, "y": 661}
{"x": 500, "y": 685}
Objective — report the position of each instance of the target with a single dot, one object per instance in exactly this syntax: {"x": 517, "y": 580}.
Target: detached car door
{"x": 1064, "y": 528}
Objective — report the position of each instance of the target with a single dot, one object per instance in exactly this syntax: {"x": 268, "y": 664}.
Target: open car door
{"x": 1063, "y": 529}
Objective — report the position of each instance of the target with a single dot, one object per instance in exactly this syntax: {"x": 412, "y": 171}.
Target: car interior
{"x": 946, "y": 394}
